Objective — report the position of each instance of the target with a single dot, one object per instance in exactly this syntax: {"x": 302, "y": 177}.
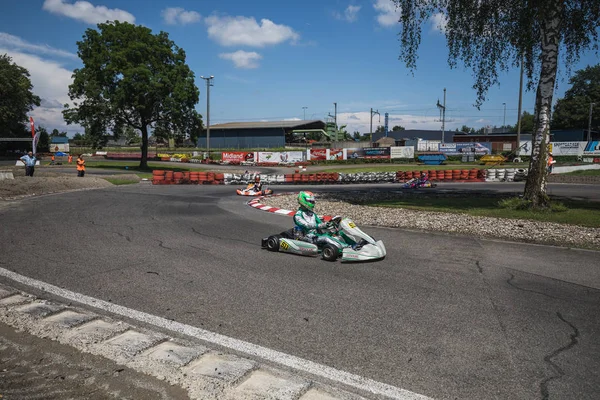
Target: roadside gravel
{"x": 348, "y": 205}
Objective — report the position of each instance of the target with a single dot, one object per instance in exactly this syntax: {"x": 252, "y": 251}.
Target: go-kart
{"x": 250, "y": 191}
{"x": 342, "y": 238}
{"x": 416, "y": 183}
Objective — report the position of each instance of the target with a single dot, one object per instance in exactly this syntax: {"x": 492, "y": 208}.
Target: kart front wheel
{"x": 330, "y": 253}
{"x": 273, "y": 243}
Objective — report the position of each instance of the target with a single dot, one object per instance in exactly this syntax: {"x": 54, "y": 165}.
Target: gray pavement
{"x": 444, "y": 316}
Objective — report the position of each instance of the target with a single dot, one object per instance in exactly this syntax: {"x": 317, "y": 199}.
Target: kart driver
{"x": 257, "y": 184}
{"x": 307, "y": 221}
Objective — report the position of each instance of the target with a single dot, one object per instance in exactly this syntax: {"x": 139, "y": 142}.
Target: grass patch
{"x": 584, "y": 172}
{"x": 134, "y": 166}
{"x": 119, "y": 181}
{"x": 572, "y": 212}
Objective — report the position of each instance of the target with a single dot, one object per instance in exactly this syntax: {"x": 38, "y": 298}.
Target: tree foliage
{"x": 572, "y": 111}
{"x": 132, "y": 78}
{"x": 490, "y": 36}
{"x": 16, "y": 98}
{"x": 43, "y": 145}
{"x": 398, "y": 128}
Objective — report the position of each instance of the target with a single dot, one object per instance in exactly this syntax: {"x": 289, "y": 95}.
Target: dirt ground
{"x": 45, "y": 181}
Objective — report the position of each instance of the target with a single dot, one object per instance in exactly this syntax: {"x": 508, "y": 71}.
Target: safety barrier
{"x": 162, "y": 177}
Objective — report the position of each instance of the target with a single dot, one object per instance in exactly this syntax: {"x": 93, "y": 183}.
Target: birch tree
{"x": 491, "y": 36}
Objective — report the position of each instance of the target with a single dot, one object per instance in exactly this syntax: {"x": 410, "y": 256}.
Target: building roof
{"x": 265, "y": 124}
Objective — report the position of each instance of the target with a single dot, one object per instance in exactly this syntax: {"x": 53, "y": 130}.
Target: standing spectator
{"x": 80, "y": 166}
{"x": 551, "y": 163}
{"x": 29, "y": 160}
{"x": 52, "y": 160}
{"x": 70, "y": 159}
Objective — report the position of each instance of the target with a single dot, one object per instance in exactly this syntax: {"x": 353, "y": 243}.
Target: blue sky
{"x": 270, "y": 60}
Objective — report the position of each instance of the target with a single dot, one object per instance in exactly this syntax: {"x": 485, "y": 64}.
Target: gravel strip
{"x": 348, "y": 205}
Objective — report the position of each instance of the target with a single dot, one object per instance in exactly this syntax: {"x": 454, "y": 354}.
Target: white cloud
{"x": 87, "y": 12}
{"x": 439, "y": 22}
{"x": 361, "y": 121}
{"x": 292, "y": 119}
{"x": 16, "y": 43}
{"x": 245, "y": 31}
{"x": 350, "y": 14}
{"x": 388, "y": 13}
{"x": 51, "y": 82}
{"x": 177, "y": 15}
{"x": 243, "y": 59}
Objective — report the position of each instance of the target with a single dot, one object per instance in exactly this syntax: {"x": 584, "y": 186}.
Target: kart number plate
{"x": 284, "y": 245}
{"x": 352, "y": 225}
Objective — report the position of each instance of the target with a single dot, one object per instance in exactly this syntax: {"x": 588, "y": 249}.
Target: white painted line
{"x": 264, "y": 353}
{"x": 265, "y": 208}
{"x": 287, "y": 212}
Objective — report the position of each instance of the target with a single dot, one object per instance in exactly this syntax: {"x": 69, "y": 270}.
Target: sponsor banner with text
{"x": 368, "y": 152}
{"x": 277, "y": 157}
{"x": 402, "y": 152}
{"x": 236, "y": 157}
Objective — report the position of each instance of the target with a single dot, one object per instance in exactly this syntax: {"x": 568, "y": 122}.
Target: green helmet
{"x": 306, "y": 200}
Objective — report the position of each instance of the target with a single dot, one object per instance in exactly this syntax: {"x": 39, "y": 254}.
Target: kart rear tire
{"x": 273, "y": 243}
{"x": 330, "y": 253}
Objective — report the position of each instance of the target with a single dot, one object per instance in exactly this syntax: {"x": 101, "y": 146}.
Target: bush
{"x": 519, "y": 203}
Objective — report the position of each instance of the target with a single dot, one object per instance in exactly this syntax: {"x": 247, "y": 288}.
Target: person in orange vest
{"x": 52, "y": 160}
{"x": 80, "y": 166}
{"x": 70, "y": 159}
{"x": 551, "y": 163}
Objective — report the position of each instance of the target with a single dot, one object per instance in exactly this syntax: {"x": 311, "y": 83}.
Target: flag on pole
{"x": 35, "y": 136}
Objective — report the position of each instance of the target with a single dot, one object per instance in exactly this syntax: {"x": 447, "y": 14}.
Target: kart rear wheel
{"x": 273, "y": 243}
{"x": 330, "y": 253}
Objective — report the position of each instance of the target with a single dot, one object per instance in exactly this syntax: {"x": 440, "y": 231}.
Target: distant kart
{"x": 415, "y": 183}
{"x": 249, "y": 191}
{"x": 344, "y": 239}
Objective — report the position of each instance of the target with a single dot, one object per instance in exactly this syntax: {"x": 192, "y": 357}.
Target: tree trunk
{"x": 535, "y": 187}
{"x": 144, "y": 159}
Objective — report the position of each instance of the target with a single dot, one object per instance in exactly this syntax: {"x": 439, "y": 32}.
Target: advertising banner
{"x": 237, "y": 157}
{"x": 368, "y": 152}
{"x": 277, "y": 157}
{"x": 455, "y": 149}
{"x": 568, "y": 148}
{"x": 55, "y": 147}
{"x": 318, "y": 154}
{"x": 402, "y": 152}
{"x": 336, "y": 154}
{"x": 526, "y": 148}
{"x": 592, "y": 148}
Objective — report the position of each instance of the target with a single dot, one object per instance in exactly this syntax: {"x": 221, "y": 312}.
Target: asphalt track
{"x": 445, "y": 316}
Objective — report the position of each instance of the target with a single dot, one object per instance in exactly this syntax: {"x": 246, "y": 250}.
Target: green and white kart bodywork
{"x": 343, "y": 239}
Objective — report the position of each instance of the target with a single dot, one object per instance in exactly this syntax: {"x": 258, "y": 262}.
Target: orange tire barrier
{"x": 158, "y": 172}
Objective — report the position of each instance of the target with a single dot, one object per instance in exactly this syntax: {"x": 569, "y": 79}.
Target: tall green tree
{"x": 398, "y": 128}
{"x": 131, "y": 77}
{"x": 572, "y": 111}
{"x": 16, "y": 97}
{"x": 43, "y": 145}
{"x": 490, "y": 36}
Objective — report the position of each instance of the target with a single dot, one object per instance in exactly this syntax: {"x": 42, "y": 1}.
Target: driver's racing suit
{"x": 306, "y": 229}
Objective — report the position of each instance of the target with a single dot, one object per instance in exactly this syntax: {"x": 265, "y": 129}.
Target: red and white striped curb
{"x": 257, "y": 204}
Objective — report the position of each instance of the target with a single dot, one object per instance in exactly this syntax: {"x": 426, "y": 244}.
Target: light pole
{"x": 504, "y": 121}
{"x": 335, "y": 121}
{"x": 518, "y": 152}
{"x": 371, "y": 128}
{"x": 443, "y": 112}
{"x": 304, "y": 108}
{"x": 589, "y": 135}
{"x": 208, "y": 85}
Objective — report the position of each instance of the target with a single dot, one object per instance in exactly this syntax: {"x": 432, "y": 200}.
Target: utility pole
{"x": 443, "y": 112}
{"x": 371, "y": 129}
{"x": 304, "y": 108}
{"x": 504, "y": 121}
{"x": 589, "y": 135}
{"x": 208, "y": 85}
{"x": 335, "y": 121}
{"x": 519, "y": 117}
